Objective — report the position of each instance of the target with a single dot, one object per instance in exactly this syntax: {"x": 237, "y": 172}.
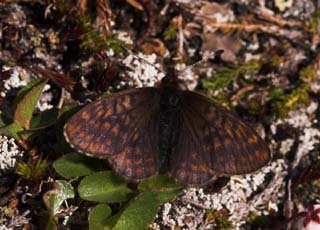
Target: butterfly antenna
{"x": 205, "y": 58}
{"x": 142, "y": 59}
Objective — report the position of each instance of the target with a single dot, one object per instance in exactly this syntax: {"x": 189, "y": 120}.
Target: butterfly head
{"x": 172, "y": 82}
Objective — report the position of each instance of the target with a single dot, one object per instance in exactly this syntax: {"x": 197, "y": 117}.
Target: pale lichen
{"x": 141, "y": 73}
{"x": 9, "y": 151}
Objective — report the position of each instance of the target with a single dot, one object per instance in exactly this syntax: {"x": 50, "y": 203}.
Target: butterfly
{"x": 140, "y": 131}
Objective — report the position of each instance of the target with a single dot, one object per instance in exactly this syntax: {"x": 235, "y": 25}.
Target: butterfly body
{"x": 142, "y": 130}
{"x": 168, "y": 124}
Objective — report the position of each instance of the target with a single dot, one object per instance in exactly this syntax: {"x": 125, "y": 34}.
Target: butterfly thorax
{"x": 171, "y": 82}
{"x": 168, "y": 123}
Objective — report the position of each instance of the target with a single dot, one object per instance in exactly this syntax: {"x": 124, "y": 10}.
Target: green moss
{"x": 292, "y": 100}
{"x": 255, "y": 106}
{"x": 315, "y": 18}
{"x": 221, "y": 80}
{"x": 84, "y": 21}
{"x": 317, "y": 167}
{"x": 222, "y": 99}
{"x": 223, "y": 223}
{"x": 10, "y": 63}
{"x": 258, "y": 222}
{"x": 62, "y": 6}
{"x": 219, "y": 219}
{"x": 308, "y": 73}
{"x": 275, "y": 93}
{"x": 251, "y": 217}
{"x": 91, "y": 39}
{"x": 276, "y": 61}
{"x": 94, "y": 41}
{"x": 225, "y": 76}
{"x": 170, "y": 32}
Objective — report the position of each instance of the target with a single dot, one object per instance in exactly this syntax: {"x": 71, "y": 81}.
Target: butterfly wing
{"x": 121, "y": 128}
{"x": 213, "y": 140}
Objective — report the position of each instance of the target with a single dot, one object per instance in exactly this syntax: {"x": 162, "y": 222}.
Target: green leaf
{"x": 44, "y": 119}
{"x": 51, "y": 225}
{"x": 104, "y": 187}
{"x": 98, "y": 216}
{"x": 139, "y": 213}
{"x": 24, "y": 91}
{"x": 75, "y": 164}
{"x": 12, "y": 131}
{"x": 64, "y": 114}
{"x": 54, "y": 198}
{"x": 29, "y": 97}
{"x": 159, "y": 183}
{"x": 167, "y": 196}
{"x": 111, "y": 221}
{"x": 69, "y": 108}
{"x": 165, "y": 187}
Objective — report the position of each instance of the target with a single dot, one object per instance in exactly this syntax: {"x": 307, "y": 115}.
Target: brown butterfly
{"x": 140, "y": 131}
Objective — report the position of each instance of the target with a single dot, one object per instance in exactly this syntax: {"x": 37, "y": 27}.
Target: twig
{"x": 205, "y": 58}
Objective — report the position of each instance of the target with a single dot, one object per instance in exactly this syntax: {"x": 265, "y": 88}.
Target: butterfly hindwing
{"x": 121, "y": 128}
{"x": 217, "y": 141}
{"x": 188, "y": 164}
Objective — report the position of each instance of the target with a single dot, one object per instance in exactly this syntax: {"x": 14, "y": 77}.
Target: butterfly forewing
{"x": 206, "y": 139}
{"x": 212, "y": 139}
{"x": 121, "y": 128}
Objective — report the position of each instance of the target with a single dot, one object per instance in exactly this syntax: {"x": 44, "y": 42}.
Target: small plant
{"x": 32, "y": 170}
{"x": 105, "y": 187}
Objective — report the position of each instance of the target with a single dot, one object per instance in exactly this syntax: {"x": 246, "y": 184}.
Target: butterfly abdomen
{"x": 168, "y": 124}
